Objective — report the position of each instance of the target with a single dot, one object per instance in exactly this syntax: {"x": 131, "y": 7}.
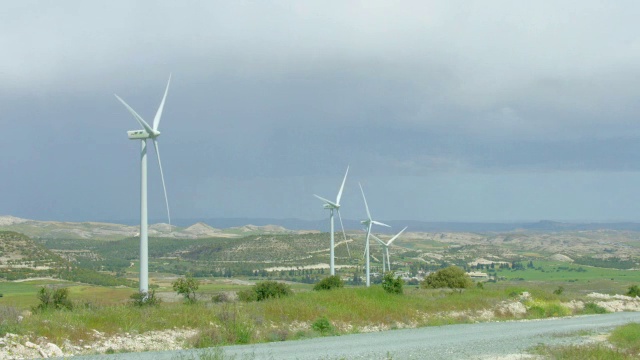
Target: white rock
{"x": 53, "y": 350}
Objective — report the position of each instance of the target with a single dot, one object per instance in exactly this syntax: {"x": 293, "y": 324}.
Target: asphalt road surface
{"x": 465, "y": 341}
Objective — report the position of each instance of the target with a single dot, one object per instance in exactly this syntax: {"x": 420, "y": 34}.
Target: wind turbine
{"x": 147, "y": 132}
{"x": 368, "y": 223}
{"x": 385, "y": 254}
{"x": 328, "y": 204}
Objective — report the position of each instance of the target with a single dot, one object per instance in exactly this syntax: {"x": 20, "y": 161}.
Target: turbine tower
{"x": 147, "y": 132}
{"x": 385, "y": 253}
{"x": 328, "y": 204}
{"x": 368, "y": 223}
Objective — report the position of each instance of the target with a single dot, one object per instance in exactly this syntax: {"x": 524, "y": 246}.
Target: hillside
{"x": 21, "y": 257}
{"x": 107, "y": 231}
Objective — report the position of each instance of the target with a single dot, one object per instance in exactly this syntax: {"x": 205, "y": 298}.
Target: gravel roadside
{"x": 494, "y": 340}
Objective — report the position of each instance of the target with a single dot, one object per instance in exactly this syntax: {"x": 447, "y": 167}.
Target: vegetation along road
{"x": 463, "y": 341}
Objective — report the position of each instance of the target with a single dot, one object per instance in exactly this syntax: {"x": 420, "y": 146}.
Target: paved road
{"x": 465, "y": 341}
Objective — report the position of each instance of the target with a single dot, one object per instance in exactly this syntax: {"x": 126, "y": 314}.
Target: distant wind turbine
{"x": 368, "y": 223}
{"x": 385, "y": 254}
{"x": 147, "y": 132}
{"x": 328, "y": 204}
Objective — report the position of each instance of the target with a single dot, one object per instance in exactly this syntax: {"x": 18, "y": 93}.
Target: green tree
{"x": 392, "y": 284}
{"x": 328, "y": 283}
{"x": 187, "y": 287}
{"x": 451, "y": 277}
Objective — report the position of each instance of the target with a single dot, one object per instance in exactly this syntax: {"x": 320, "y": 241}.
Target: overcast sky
{"x": 445, "y": 110}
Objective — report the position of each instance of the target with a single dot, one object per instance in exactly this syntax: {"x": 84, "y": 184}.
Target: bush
{"x": 54, "y": 299}
{"x": 559, "y": 290}
{"x": 391, "y": 284}
{"x": 328, "y": 283}
{"x": 264, "y": 290}
{"x": 322, "y": 325}
{"x": 271, "y": 289}
{"x": 544, "y": 309}
{"x": 247, "y": 295}
{"x": 593, "y": 308}
{"x": 187, "y": 287}
{"x": 141, "y": 299}
{"x": 451, "y": 277}
{"x": 634, "y": 291}
{"x": 221, "y": 298}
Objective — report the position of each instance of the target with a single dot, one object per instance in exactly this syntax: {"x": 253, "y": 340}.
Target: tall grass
{"x": 627, "y": 337}
{"x": 345, "y": 309}
{"x": 625, "y": 340}
{"x": 581, "y": 352}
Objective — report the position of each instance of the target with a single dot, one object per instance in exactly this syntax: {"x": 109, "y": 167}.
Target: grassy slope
{"x": 348, "y": 309}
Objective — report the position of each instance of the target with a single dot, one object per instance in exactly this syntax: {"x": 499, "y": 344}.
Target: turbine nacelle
{"x": 142, "y": 134}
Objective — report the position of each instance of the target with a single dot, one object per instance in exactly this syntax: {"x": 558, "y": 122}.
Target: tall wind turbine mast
{"x": 385, "y": 254}
{"x": 368, "y": 223}
{"x": 328, "y": 204}
{"x": 147, "y": 132}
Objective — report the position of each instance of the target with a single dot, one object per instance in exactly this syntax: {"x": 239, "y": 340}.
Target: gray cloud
{"x": 273, "y": 97}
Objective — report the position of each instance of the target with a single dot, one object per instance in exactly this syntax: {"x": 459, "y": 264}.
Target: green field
{"x": 561, "y": 271}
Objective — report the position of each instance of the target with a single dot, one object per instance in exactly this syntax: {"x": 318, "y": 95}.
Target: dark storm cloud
{"x": 274, "y": 96}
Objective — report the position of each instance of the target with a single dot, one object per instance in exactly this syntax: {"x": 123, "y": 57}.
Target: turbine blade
{"x": 368, "y": 230}
{"x": 329, "y": 202}
{"x": 380, "y": 241}
{"x": 166, "y": 199}
{"x": 342, "y": 186}
{"x": 156, "y": 120}
{"x": 379, "y": 223}
{"x": 344, "y": 233}
{"x": 140, "y": 120}
{"x": 365, "y": 202}
{"x": 396, "y": 236}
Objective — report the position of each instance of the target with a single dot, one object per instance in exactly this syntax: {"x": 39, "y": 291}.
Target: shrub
{"x": 264, "y": 290}
{"x": 451, "y": 277}
{"x": 634, "y": 291}
{"x": 328, "y": 283}
{"x": 559, "y": 290}
{"x": 221, "y": 298}
{"x": 542, "y": 309}
{"x": 141, "y": 299}
{"x": 271, "y": 289}
{"x": 322, "y": 325}
{"x": 247, "y": 295}
{"x": 391, "y": 284}
{"x": 54, "y": 299}
{"x": 593, "y": 308}
{"x": 187, "y": 287}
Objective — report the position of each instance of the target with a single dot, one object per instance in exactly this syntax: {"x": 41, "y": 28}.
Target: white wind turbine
{"x": 147, "y": 132}
{"x": 328, "y": 204}
{"x": 385, "y": 254}
{"x": 368, "y": 223}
